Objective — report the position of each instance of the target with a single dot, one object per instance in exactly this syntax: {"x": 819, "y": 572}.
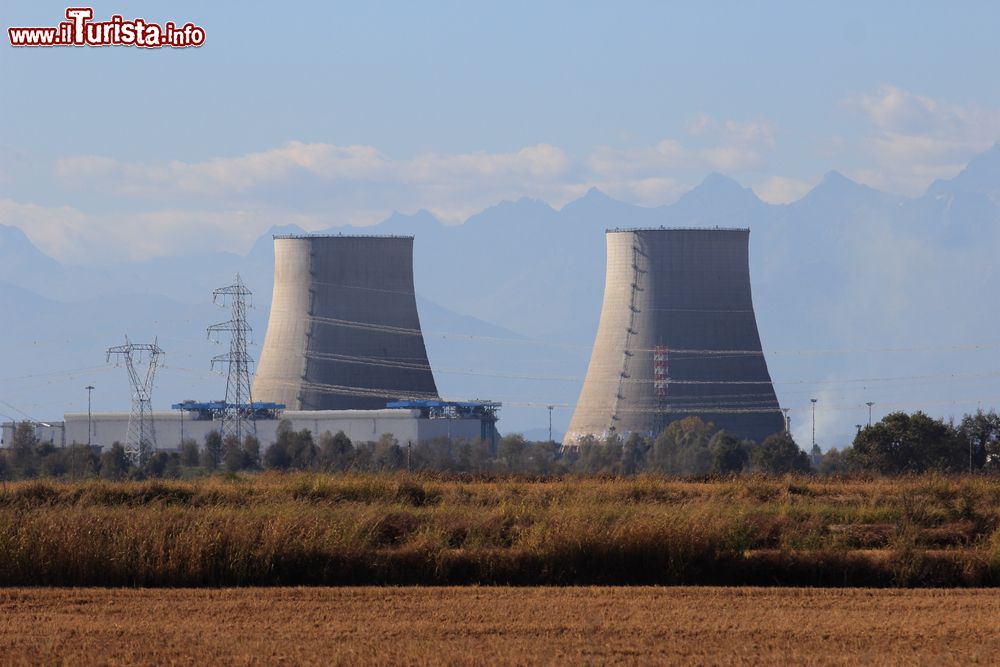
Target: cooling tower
{"x": 677, "y": 338}
{"x": 343, "y": 331}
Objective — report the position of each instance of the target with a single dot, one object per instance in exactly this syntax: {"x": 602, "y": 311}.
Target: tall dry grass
{"x": 302, "y": 529}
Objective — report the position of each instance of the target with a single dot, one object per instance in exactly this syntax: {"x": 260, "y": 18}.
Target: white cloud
{"x": 664, "y": 156}
{"x": 728, "y": 146}
{"x": 319, "y": 185}
{"x": 649, "y": 191}
{"x": 57, "y": 230}
{"x": 759, "y": 132}
{"x": 328, "y": 162}
{"x": 782, "y": 190}
{"x": 69, "y": 234}
{"x": 917, "y": 139}
{"x": 700, "y": 124}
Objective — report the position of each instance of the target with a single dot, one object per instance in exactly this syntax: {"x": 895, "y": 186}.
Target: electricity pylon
{"x": 238, "y": 413}
{"x": 140, "y": 439}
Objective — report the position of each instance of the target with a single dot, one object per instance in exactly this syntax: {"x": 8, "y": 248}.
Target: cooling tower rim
{"x": 628, "y": 230}
{"x": 341, "y": 236}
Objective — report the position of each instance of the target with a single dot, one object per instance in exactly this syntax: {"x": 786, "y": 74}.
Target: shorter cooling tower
{"x": 677, "y": 338}
{"x": 343, "y": 331}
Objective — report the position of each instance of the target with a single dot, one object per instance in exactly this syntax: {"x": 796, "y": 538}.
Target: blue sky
{"x": 327, "y": 113}
{"x": 331, "y": 113}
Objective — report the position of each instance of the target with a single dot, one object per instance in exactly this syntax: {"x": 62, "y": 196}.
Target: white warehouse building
{"x": 409, "y": 422}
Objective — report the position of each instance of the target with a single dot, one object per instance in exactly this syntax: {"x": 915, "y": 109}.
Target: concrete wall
{"x": 343, "y": 331}
{"x": 359, "y": 425}
{"x": 687, "y": 291}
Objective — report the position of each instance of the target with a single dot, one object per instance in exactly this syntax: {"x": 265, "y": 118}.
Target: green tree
{"x": 278, "y": 454}
{"x": 542, "y": 457}
{"x": 81, "y": 462}
{"x": 903, "y": 443}
{"x": 302, "y": 451}
{"x": 172, "y": 469}
{"x": 336, "y": 452}
{"x": 364, "y": 456}
{"x": 251, "y": 451}
{"x": 114, "y": 463}
{"x": 981, "y": 435}
{"x": 211, "y": 453}
{"x": 23, "y": 445}
{"x": 386, "y": 454}
{"x": 511, "y": 451}
{"x": 190, "y": 455}
{"x": 473, "y": 456}
{"x": 233, "y": 456}
{"x": 779, "y": 455}
{"x": 463, "y": 456}
{"x": 682, "y": 447}
{"x": 834, "y": 462}
{"x": 276, "y": 457}
{"x": 156, "y": 464}
{"x": 634, "y": 454}
{"x": 728, "y": 454}
{"x": 51, "y": 459}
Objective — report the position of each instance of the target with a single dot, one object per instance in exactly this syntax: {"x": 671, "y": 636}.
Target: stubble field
{"x": 501, "y": 625}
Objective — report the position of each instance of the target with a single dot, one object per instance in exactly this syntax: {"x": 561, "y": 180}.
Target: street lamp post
{"x": 90, "y": 428}
{"x": 550, "y": 423}
{"x": 813, "y": 401}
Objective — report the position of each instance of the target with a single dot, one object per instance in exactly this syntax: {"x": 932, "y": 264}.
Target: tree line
{"x": 900, "y": 443}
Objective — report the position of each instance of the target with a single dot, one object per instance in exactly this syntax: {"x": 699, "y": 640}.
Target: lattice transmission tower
{"x": 141, "y": 360}
{"x": 238, "y": 413}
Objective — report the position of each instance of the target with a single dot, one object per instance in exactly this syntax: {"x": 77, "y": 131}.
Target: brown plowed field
{"x": 491, "y": 626}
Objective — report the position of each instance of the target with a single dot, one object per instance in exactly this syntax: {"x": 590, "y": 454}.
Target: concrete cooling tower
{"x": 677, "y": 338}
{"x": 343, "y": 331}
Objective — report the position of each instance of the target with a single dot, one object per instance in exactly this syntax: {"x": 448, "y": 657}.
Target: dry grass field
{"x": 490, "y": 626}
{"x": 361, "y": 529}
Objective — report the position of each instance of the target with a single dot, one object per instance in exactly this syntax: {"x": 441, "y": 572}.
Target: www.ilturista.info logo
{"x": 81, "y": 30}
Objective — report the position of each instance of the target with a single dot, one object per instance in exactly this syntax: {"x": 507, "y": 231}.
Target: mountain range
{"x": 860, "y": 296}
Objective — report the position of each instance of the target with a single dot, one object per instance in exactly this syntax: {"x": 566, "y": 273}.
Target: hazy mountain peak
{"x": 715, "y": 180}
{"x": 526, "y": 202}
{"x": 522, "y": 210}
{"x": 17, "y": 249}
{"x": 13, "y": 235}
{"x": 408, "y": 223}
{"x": 980, "y": 176}
{"x": 834, "y": 178}
{"x": 717, "y": 192}
{"x": 594, "y": 193}
{"x": 421, "y": 216}
{"x": 593, "y": 199}
{"x": 835, "y": 188}
{"x": 264, "y": 245}
{"x": 596, "y": 210}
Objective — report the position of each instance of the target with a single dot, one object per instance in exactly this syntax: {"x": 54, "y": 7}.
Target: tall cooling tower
{"x": 343, "y": 331}
{"x": 677, "y": 338}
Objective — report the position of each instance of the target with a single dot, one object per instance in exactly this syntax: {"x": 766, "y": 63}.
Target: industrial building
{"x": 677, "y": 337}
{"x": 406, "y": 421}
{"x": 343, "y": 332}
{"x": 343, "y": 352}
